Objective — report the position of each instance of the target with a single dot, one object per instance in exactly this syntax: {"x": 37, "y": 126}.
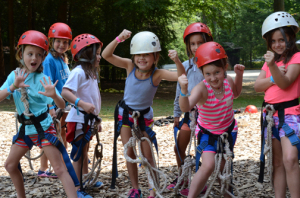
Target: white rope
{"x": 268, "y": 144}
{"x": 225, "y": 176}
{"x": 150, "y": 170}
{"x": 189, "y": 161}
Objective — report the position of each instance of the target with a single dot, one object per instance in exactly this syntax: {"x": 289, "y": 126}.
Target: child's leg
{"x": 279, "y": 175}
{"x": 290, "y": 161}
{"x": 202, "y": 175}
{"x": 60, "y": 169}
{"x": 43, "y": 162}
{"x": 77, "y": 164}
{"x": 63, "y": 129}
{"x": 132, "y": 168}
{"x": 11, "y": 166}
{"x": 182, "y": 143}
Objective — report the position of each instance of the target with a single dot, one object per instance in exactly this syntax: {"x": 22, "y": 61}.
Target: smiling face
{"x": 278, "y": 44}
{"x": 144, "y": 61}
{"x": 214, "y": 75}
{"x": 61, "y": 45}
{"x": 195, "y": 41}
{"x": 33, "y": 57}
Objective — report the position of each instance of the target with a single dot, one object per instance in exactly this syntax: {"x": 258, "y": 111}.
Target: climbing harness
{"x": 41, "y": 135}
{"x": 189, "y": 161}
{"x": 266, "y": 148}
{"x": 153, "y": 177}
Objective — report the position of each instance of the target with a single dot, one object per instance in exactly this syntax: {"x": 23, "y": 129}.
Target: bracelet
{"x": 76, "y": 105}
{"x": 272, "y": 80}
{"x": 15, "y": 85}
{"x": 118, "y": 40}
{"x": 184, "y": 95}
{"x": 9, "y": 91}
{"x": 52, "y": 107}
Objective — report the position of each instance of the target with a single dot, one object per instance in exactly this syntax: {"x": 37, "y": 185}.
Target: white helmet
{"x": 298, "y": 42}
{"x": 277, "y": 20}
{"x": 144, "y": 42}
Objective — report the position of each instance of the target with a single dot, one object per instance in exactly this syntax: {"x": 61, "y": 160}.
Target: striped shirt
{"x": 216, "y": 115}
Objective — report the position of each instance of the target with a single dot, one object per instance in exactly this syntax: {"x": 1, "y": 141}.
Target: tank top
{"x": 139, "y": 94}
{"x": 216, "y": 115}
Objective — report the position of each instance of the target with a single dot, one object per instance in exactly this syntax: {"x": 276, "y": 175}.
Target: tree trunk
{"x": 2, "y": 68}
{"x": 11, "y": 34}
{"x": 278, "y": 5}
{"x": 62, "y": 11}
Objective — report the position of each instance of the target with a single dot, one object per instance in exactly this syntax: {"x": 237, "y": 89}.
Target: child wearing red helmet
{"x": 280, "y": 80}
{"x": 213, "y": 98}
{"x": 194, "y": 35}
{"x": 55, "y": 66}
{"x": 82, "y": 91}
{"x": 31, "y": 99}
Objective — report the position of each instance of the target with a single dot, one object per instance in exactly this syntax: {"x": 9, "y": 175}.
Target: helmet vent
{"x": 218, "y": 50}
{"x": 153, "y": 43}
{"x": 46, "y": 42}
{"x": 53, "y": 31}
{"x": 23, "y": 36}
{"x": 276, "y": 19}
{"x": 74, "y": 46}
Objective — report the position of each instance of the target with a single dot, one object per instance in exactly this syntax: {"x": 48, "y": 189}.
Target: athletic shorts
{"x": 292, "y": 120}
{"x": 34, "y": 138}
{"x": 148, "y": 123}
{"x": 75, "y": 129}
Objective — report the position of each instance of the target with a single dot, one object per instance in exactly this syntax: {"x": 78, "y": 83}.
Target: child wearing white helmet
{"x": 142, "y": 81}
{"x": 280, "y": 80}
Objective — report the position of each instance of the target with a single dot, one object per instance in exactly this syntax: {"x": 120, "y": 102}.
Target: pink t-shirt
{"x": 276, "y": 95}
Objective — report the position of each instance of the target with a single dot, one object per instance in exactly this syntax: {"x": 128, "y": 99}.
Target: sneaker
{"x": 97, "y": 185}
{"x": 185, "y": 192}
{"x": 82, "y": 194}
{"x": 46, "y": 174}
{"x": 135, "y": 193}
{"x": 173, "y": 184}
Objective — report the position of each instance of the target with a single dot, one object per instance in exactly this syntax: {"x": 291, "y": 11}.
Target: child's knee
{"x": 10, "y": 166}
{"x": 59, "y": 170}
{"x": 290, "y": 162}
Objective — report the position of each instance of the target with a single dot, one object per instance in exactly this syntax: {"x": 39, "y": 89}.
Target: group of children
{"x": 203, "y": 86}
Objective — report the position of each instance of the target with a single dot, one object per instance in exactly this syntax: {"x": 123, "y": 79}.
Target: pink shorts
{"x": 34, "y": 138}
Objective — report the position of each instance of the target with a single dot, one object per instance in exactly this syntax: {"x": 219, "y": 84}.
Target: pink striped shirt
{"x": 216, "y": 115}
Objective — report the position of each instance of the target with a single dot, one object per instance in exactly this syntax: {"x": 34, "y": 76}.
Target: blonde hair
{"x": 54, "y": 53}
{"x": 18, "y": 58}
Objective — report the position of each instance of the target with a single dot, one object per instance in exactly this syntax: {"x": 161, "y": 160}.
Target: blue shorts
{"x": 213, "y": 149}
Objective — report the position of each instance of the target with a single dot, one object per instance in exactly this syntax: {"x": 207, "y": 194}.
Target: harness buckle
{"x": 27, "y": 122}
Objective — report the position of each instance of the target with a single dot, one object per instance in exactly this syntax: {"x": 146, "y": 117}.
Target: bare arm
{"x": 237, "y": 85}
{"x": 174, "y": 56}
{"x": 118, "y": 61}
{"x": 262, "y": 83}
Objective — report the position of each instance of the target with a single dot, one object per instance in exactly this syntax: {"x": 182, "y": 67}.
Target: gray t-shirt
{"x": 194, "y": 76}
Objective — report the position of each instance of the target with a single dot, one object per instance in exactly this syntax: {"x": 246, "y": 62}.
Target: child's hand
{"x": 52, "y": 113}
{"x": 87, "y": 107}
{"x": 282, "y": 69}
{"x": 176, "y": 122}
{"x": 173, "y": 55}
{"x": 20, "y": 78}
{"x": 183, "y": 81}
{"x": 269, "y": 58}
{"x": 124, "y": 35}
{"x": 49, "y": 88}
{"x": 239, "y": 69}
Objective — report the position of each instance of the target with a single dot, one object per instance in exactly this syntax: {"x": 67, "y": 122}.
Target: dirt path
{"x": 246, "y": 165}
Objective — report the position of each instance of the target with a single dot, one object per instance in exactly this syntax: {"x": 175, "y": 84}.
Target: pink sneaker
{"x": 185, "y": 192}
{"x": 173, "y": 184}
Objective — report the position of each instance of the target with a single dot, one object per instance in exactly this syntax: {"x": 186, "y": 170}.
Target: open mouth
{"x": 33, "y": 64}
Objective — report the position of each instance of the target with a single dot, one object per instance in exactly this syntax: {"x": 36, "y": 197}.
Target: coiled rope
{"x": 150, "y": 170}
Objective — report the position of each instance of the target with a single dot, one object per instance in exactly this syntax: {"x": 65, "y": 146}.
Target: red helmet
{"x": 196, "y": 27}
{"x": 36, "y": 38}
{"x": 209, "y": 52}
{"x": 81, "y": 41}
{"x": 251, "y": 109}
{"x": 60, "y": 30}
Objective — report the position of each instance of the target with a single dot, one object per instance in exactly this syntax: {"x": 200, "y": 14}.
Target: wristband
{"x": 15, "y": 85}
{"x": 9, "y": 91}
{"x": 76, "y": 105}
{"x": 184, "y": 95}
{"x": 52, "y": 107}
{"x": 272, "y": 80}
{"x": 118, "y": 40}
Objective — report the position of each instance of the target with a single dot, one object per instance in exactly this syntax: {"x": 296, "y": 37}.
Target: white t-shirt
{"x": 85, "y": 89}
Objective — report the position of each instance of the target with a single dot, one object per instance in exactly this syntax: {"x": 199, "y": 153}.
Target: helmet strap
{"x": 285, "y": 39}
{"x": 21, "y": 60}
{"x": 93, "y": 58}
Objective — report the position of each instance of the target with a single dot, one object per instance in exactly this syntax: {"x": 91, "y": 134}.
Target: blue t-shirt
{"x": 37, "y": 102}
{"x": 57, "y": 69}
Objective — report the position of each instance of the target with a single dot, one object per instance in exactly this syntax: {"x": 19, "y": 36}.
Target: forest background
{"x": 236, "y": 24}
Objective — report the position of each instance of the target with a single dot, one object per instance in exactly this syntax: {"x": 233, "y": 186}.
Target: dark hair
{"x": 156, "y": 56}
{"x": 218, "y": 63}
{"x": 206, "y": 38}
{"x": 38, "y": 70}
{"x": 291, "y": 47}
{"x": 87, "y": 53}
{"x": 54, "y": 53}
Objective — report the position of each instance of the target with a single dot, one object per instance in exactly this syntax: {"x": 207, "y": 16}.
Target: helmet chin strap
{"x": 94, "y": 56}
{"x": 287, "y": 45}
{"x": 21, "y": 60}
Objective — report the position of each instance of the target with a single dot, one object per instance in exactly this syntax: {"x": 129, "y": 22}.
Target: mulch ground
{"x": 245, "y": 168}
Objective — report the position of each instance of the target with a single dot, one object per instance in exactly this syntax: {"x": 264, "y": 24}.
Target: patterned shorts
{"x": 292, "y": 120}
{"x": 34, "y": 138}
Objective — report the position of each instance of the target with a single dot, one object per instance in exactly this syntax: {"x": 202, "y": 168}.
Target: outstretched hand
{"x": 183, "y": 81}
{"x": 269, "y": 58}
{"x": 173, "y": 55}
{"x": 125, "y": 34}
{"x": 20, "y": 78}
{"x": 49, "y": 88}
{"x": 239, "y": 69}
